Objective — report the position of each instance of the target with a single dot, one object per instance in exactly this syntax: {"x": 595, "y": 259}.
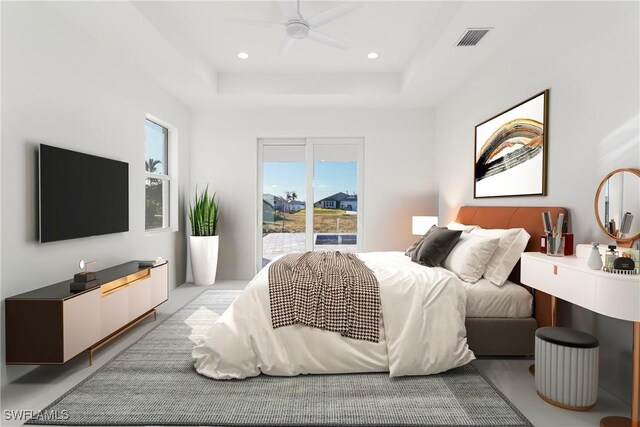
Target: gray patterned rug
{"x": 153, "y": 383}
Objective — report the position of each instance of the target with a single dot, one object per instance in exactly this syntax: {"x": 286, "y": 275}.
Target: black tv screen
{"x": 81, "y": 195}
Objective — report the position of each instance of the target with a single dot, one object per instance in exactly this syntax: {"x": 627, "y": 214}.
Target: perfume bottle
{"x": 595, "y": 260}
{"x": 610, "y": 257}
{"x": 635, "y": 255}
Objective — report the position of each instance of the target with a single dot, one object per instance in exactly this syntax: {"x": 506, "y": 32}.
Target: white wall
{"x": 399, "y": 178}
{"x": 61, "y": 88}
{"x": 593, "y": 129}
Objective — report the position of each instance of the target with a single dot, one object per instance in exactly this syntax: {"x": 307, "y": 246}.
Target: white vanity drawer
{"x": 559, "y": 280}
{"x": 575, "y": 286}
{"x": 618, "y": 298}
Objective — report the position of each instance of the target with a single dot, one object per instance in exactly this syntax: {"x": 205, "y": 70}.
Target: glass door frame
{"x": 309, "y": 143}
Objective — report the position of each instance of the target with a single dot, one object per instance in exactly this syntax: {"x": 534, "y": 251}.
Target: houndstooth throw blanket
{"x": 328, "y": 290}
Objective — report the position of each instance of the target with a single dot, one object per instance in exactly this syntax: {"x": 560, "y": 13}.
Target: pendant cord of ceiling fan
{"x": 299, "y": 14}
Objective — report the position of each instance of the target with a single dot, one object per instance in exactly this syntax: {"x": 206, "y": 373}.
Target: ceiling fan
{"x": 297, "y": 27}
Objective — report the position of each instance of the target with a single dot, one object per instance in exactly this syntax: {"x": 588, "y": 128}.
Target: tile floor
{"x": 43, "y": 385}
{"x": 274, "y": 244}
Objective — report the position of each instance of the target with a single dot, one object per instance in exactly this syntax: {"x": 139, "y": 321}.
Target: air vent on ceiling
{"x": 472, "y": 37}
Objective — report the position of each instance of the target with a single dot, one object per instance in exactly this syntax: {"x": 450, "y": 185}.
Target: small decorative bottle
{"x": 635, "y": 256}
{"x": 610, "y": 258}
{"x": 595, "y": 260}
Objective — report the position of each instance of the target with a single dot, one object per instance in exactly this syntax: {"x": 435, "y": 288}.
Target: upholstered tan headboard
{"x": 527, "y": 217}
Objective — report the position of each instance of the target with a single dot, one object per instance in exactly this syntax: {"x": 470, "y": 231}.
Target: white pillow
{"x": 512, "y": 243}
{"x": 457, "y": 226}
{"x": 469, "y": 257}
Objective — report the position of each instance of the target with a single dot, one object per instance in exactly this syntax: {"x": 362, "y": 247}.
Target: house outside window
{"x": 158, "y": 175}
{"x": 310, "y": 190}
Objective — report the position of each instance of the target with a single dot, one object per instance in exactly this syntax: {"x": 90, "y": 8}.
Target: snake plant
{"x": 203, "y": 214}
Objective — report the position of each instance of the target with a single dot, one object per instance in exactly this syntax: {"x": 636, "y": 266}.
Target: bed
{"x": 421, "y": 325}
{"x": 423, "y": 328}
{"x": 502, "y": 336}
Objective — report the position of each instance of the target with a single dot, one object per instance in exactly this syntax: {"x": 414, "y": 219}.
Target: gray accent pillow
{"x": 435, "y": 246}
{"x": 413, "y": 247}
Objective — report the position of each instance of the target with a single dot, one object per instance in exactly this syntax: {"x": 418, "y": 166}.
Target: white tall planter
{"x": 204, "y": 258}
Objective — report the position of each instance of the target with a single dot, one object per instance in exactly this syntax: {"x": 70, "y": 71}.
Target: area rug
{"x": 153, "y": 382}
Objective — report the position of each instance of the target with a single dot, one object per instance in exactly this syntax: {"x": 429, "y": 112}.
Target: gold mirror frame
{"x": 626, "y": 242}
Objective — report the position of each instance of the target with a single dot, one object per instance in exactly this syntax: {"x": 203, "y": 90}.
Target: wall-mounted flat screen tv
{"x": 81, "y": 195}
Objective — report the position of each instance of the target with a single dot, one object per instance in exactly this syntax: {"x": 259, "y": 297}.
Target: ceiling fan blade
{"x": 255, "y": 23}
{"x": 289, "y": 10}
{"x": 333, "y": 13}
{"x": 286, "y": 44}
{"x": 325, "y": 39}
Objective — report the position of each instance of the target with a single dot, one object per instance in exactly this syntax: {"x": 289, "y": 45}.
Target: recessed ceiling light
{"x": 372, "y": 55}
{"x": 243, "y": 55}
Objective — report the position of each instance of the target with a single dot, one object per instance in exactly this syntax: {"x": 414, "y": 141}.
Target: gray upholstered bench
{"x": 567, "y": 368}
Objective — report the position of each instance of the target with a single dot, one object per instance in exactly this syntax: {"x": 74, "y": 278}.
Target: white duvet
{"x": 421, "y": 330}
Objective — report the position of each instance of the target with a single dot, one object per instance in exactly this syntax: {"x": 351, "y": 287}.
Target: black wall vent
{"x": 473, "y": 36}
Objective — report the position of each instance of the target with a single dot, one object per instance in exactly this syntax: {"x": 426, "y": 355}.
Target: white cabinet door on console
{"x": 81, "y": 323}
{"x": 159, "y": 284}
{"x": 114, "y": 309}
{"x": 139, "y": 298}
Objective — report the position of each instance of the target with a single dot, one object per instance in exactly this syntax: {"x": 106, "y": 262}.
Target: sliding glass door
{"x": 283, "y": 198}
{"x": 309, "y": 195}
{"x": 335, "y": 195}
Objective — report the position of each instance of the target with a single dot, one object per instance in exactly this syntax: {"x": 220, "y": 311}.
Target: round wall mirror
{"x": 617, "y": 206}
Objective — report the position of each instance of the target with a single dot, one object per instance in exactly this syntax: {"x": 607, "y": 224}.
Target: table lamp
{"x": 422, "y": 224}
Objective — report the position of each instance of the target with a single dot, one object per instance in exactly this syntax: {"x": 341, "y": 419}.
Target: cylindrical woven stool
{"x": 567, "y": 368}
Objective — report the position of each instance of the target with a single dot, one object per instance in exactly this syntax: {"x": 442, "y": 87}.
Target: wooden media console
{"x": 52, "y": 325}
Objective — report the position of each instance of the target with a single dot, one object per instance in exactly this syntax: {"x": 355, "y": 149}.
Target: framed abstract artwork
{"x": 510, "y": 157}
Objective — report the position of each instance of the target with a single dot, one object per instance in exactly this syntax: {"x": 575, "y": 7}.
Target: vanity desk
{"x": 612, "y": 295}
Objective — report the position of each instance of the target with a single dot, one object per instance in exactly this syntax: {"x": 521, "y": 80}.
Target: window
{"x": 309, "y": 192}
{"x": 158, "y": 167}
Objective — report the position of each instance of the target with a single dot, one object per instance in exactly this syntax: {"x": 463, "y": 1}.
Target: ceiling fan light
{"x": 372, "y": 55}
{"x": 243, "y": 55}
{"x": 297, "y": 30}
